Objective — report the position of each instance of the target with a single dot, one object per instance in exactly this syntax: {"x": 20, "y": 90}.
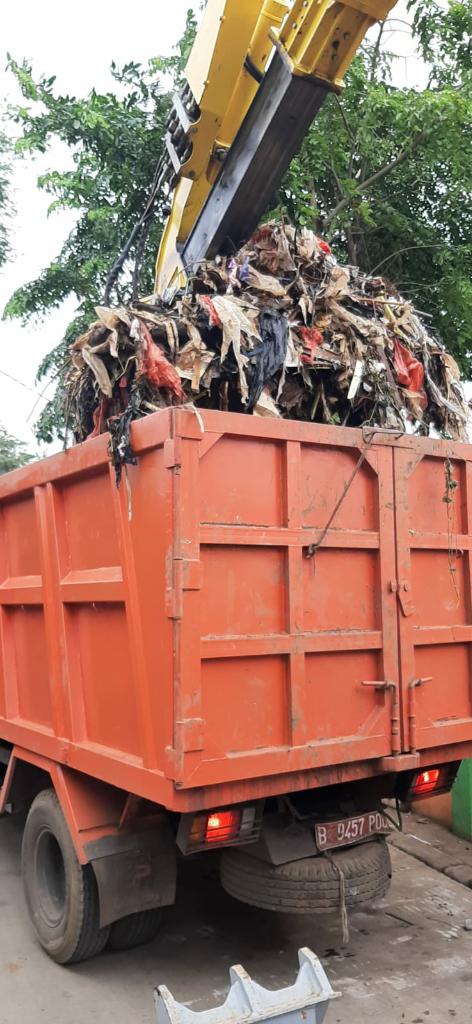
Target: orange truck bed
{"x": 174, "y": 640}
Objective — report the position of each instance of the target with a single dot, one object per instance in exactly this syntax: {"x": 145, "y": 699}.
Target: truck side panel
{"x": 86, "y": 642}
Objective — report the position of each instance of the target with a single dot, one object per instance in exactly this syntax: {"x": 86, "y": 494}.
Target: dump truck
{"x": 178, "y": 676}
{"x": 259, "y": 644}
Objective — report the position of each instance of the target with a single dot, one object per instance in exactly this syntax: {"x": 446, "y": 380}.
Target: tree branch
{"x": 376, "y": 53}
{"x": 400, "y": 159}
{"x": 408, "y": 248}
{"x": 352, "y": 156}
{"x": 344, "y": 118}
{"x": 312, "y": 193}
{"x": 351, "y": 247}
{"x": 331, "y": 169}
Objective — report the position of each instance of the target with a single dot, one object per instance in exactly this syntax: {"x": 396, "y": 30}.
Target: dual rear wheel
{"x": 63, "y": 900}
{"x": 62, "y": 895}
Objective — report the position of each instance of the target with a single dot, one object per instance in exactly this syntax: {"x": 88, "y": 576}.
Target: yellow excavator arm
{"x": 257, "y": 74}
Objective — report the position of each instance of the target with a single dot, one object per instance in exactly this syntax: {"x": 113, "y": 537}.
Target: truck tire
{"x": 312, "y": 885}
{"x": 135, "y": 929}
{"x": 61, "y": 894}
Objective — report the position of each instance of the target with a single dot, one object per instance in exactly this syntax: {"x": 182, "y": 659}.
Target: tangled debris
{"x": 281, "y": 329}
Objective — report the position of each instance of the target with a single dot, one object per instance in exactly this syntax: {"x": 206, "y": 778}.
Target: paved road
{"x": 408, "y": 962}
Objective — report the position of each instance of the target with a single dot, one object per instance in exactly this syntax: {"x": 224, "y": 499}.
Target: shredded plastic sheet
{"x": 281, "y": 329}
{"x": 410, "y": 372}
{"x": 311, "y": 338}
{"x": 264, "y": 362}
{"x": 236, "y": 324}
{"x": 152, "y": 363}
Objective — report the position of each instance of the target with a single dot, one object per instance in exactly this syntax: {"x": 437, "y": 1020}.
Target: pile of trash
{"x": 280, "y": 329}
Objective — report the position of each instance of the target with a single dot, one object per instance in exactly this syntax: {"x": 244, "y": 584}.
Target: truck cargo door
{"x": 433, "y": 499}
{"x": 288, "y": 663}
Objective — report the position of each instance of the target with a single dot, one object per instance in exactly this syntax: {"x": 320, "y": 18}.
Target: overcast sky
{"x": 77, "y": 45}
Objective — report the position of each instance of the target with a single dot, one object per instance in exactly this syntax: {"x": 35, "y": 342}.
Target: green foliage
{"x": 13, "y": 453}
{"x": 444, "y": 39}
{"x": 115, "y": 144}
{"x": 5, "y": 202}
{"x": 386, "y": 173}
{"x": 176, "y": 64}
{"x": 115, "y": 140}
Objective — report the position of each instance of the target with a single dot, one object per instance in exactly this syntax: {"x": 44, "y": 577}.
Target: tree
{"x": 13, "y": 453}
{"x": 115, "y": 141}
{"x": 5, "y": 201}
{"x": 386, "y": 173}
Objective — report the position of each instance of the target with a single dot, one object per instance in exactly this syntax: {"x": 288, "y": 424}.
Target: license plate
{"x": 351, "y": 830}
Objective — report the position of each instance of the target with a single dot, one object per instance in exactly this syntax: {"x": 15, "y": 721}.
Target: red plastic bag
{"x": 311, "y": 339}
{"x": 410, "y": 372}
{"x": 214, "y": 318}
{"x": 100, "y": 415}
{"x": 324, "y": 246}
{"x": 263, "y": 233}
{"x": 156, "y": 367}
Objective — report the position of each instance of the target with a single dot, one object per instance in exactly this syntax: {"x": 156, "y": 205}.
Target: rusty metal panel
{"x": 86, "y": 642}
{"x": 274, "y": 648}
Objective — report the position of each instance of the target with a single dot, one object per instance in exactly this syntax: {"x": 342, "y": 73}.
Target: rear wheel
{"x": 312, "y": 885}
{"x": 135, "y": 929}
{"x": 3, "y": 772}
{"x": 61, "y": 894}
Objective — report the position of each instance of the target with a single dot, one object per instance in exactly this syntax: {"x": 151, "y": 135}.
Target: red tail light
{"x": 222, "y": 825}
{"x": 230, "y": 826}
{"x": 425, "y": 782}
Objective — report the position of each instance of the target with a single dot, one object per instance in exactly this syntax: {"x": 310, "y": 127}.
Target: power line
{"x": 22, "y": 384}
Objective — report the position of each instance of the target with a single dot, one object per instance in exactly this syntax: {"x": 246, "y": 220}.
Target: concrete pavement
{"x": 408, "y": 961}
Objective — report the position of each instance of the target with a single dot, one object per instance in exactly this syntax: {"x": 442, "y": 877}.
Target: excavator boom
{"x": 257, "y": 75}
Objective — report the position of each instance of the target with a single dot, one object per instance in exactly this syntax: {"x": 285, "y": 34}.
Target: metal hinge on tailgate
{"x": 173, "y": 452}
{"x": 187, "y": 576}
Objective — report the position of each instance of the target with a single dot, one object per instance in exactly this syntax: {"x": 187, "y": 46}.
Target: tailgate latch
{"x": 412, "y": 709}
{"x": 386, "y": 685}
{"x": 403, "y": 592}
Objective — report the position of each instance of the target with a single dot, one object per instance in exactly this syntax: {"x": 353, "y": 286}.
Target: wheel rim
{"x": 50, "y": 878}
